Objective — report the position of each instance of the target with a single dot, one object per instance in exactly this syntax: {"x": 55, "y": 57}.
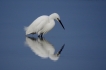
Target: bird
{"x": 43, "y": 24}
{"x": 43, "y": 48}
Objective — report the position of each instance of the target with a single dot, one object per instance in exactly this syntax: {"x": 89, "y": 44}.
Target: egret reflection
{"x": 43, "y": 48}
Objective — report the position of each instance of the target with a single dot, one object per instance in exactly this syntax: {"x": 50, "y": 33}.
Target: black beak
{"x": 60, "y": 50}
{"x": 61, "y": 23}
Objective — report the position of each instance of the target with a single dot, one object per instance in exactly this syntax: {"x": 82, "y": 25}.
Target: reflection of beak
{"x": 60, "y": 23}
{"x": 60, "y": 50}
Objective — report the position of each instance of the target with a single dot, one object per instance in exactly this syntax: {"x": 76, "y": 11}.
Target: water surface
{"x": 84, "y": 37}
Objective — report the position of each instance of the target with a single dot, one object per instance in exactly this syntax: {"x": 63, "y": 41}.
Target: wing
{"x": 36, "y": 24}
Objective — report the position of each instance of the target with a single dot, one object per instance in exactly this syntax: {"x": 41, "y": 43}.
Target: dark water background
{"x": 84, "y": 37}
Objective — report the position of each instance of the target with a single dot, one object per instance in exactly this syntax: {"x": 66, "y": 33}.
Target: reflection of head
{"x": 43, "y": 48}
{"x": 54, "y": 57}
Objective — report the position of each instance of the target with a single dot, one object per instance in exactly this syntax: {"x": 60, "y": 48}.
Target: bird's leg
{"x": 41, "y": 35}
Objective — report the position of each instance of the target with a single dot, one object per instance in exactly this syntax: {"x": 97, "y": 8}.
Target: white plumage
{"x": 43, "y": 48}
{"x": 43, "y": 24}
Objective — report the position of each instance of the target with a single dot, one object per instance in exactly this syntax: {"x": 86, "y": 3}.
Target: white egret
{"x": 43, "y": 48}
{"x": 43, "y": 24}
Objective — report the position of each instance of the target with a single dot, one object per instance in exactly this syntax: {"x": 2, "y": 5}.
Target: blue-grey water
{"x": 84, "y": 35}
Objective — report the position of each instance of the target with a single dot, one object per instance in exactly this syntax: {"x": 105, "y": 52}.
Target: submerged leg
{"x": 41, "y": 36}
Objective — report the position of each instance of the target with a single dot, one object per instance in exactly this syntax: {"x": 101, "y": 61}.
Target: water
{"x": 84, "y": 37}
